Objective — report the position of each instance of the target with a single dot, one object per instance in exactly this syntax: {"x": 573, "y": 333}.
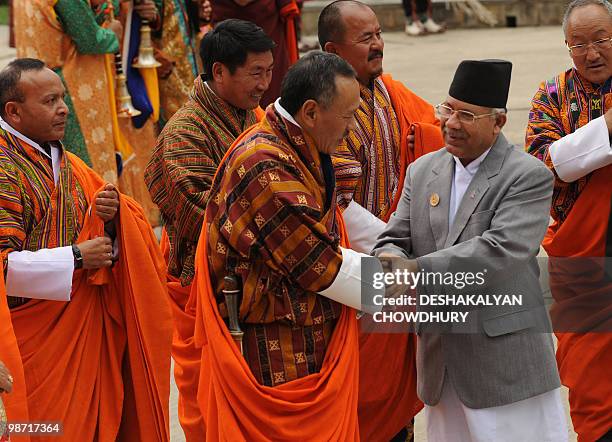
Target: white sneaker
{"x": 432, "y": 27}
{"x": 415, "y": 28}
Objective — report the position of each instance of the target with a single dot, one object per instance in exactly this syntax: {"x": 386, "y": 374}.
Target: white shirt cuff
{"x": 44, "y": 274}
{"x": 346, "y": 288}
{"x": 363, "y": 227}
{"x": 583, "y": 151}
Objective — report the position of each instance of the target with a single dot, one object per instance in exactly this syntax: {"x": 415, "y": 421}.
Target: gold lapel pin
{"x": 434, "y": 200}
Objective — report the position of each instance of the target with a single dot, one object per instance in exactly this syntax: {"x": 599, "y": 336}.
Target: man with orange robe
{"x": 394, "y": 127}
{"x": 237, "y": 59}
{"x": 271, "y": 222}
{"x": 570, "y": 125}
{"x": 85, "y": 281}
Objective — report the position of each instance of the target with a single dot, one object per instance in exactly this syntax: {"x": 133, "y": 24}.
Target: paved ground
{"x": 427, "y": 64}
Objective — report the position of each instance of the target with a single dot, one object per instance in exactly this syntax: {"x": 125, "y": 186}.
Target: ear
{"x": 309, "y": 113}
{"x": 12, "y": 112}
{"x": 331, "y": 48}
{"x": 500, "y": 122}
{"x": 217, "y": 72}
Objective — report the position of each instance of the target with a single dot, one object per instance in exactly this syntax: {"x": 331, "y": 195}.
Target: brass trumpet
{"x": 125, "y": 108}
{"x": 145, "y": 59}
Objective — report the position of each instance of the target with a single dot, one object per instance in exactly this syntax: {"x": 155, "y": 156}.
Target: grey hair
{"x": 499, "y": 110}
{"x": 575, "y": 4}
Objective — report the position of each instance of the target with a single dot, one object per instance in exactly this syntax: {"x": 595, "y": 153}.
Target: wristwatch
{"x": 78, "y": 258}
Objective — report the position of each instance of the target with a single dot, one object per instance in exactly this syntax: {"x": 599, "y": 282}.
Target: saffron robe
{"x": 581, "y": 211}
{"x": 235, "y": 405}
{"x": 100, "y": 362}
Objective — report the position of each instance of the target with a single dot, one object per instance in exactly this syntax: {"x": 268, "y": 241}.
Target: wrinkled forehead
{"x": 590, "y": 18}
{"x": 357, "y": 19}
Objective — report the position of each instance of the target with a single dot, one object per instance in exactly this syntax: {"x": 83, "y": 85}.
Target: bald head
{"x": 331, "y": 26}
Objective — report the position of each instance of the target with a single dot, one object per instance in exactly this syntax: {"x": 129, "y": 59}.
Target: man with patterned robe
{"x": 93, "y": 342}
{"x": 570, "y": 125}
{"x": 272, "y": 222}
{"x": 394, "y": 127}
{"x": 237, "y": 56}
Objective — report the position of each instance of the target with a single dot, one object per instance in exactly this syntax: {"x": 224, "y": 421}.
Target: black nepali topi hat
{"x": 482, "y": 82}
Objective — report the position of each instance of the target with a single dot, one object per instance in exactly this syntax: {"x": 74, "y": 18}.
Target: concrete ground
{"x": 427, "y": 64}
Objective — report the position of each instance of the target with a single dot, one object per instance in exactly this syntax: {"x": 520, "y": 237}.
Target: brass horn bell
{"x": 146, "y": 59}
{"x": 125, "y": 108}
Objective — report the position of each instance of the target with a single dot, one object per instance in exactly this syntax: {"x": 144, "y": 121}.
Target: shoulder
{"x": 521, "y": 164}
{"x": 261, "y": 149}
{"x": 398, "y": 91}
{"x": 425, "y": 163}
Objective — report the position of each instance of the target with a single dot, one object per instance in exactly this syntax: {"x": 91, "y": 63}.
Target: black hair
{"x": 230, "y": 43}
{"x": 9, "y": 80}
{"x": 330, "y": 26}
{"x": 313, "y": 77}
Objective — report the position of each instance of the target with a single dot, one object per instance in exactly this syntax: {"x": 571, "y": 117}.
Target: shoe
{"x": 432, "y": 27}
{"x": 415, "y": 28}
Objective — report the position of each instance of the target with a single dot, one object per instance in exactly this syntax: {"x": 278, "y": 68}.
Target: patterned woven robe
{"x": 560, "y": 106}
{"x": 182, "y": 167}
{"x": 367, "y": 166}
{"x": 272, "y": 223}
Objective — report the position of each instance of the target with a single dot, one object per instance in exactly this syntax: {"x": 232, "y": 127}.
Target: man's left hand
{"x": 107, "y": 203}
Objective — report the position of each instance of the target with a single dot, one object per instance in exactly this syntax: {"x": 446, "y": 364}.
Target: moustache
{"x": 375, "y": 54}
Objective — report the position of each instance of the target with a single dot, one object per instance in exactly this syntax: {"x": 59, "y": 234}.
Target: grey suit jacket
{"x": 502, "y": 216}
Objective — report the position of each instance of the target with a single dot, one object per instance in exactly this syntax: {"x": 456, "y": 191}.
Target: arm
{"x": 179, "y": 176}
{"x": 79, "y": 22}
{"x": 362, "y": 227}
{"x": 570, "y": 156}
{"x": 396, "y": 238}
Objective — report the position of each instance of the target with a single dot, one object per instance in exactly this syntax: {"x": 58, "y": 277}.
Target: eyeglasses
{"x": 582, "y": 49}
{"x": 465, "y": 117}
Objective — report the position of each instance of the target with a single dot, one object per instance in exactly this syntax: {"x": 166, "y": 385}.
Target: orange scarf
{"x": 99, "y": 363}
{"x": 321, "y": 406}
{"x": 584, "y": 359}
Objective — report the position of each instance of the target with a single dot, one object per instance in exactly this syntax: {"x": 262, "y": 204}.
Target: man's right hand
{"x": 97, "y": 252}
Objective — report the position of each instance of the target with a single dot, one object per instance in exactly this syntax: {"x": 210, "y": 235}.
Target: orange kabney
{"x": 235, "y": 407}
{"x": 100, "y": 363}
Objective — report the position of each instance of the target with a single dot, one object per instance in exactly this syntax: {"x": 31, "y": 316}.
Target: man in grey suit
{"x": 480, "y": 199}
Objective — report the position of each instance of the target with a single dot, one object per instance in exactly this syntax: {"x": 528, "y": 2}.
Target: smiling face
{"x": 245, "y": 87}
{"x": 362, "y": 45}
{"x": 467, "y": 141}
{"x": 586, "y": 25}
{"x": 42, "y": 114}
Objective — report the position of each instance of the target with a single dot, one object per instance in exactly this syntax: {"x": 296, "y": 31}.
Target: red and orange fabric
{"x": 100, "y": 363}
{"x": 578, "y": 245}
{"x": 235, "y": 405}
{"x": 582, "y": 302}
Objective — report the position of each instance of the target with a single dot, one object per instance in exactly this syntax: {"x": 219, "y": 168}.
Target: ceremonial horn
{"x": 125, "y": 108}
{"x": 146, "y": 59}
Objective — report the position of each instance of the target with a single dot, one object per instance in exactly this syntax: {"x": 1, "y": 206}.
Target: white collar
{"x": 286, "y": 115}
{"x": 7, "y": 127}
{"x": 473, "y": 166}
